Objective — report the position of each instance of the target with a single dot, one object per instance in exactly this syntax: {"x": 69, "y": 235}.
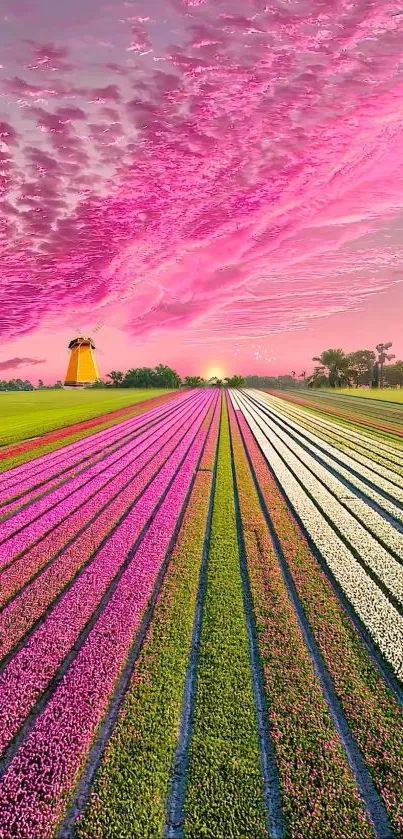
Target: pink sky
{"x": 218, "y": 183}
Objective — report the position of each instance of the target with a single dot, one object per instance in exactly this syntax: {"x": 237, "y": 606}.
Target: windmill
{"x": 82, "y": 368}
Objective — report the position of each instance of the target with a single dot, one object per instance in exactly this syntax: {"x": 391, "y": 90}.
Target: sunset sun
{"x": 214, "y": 371}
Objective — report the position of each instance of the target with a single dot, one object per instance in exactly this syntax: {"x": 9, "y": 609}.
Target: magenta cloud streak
{"x": 217, "y": 167}
{"x": 15, "y": 363}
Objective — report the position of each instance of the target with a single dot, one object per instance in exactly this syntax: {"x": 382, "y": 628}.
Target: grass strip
{"x": 129, "y": 794}
{"x": 224, "y": 795}
{"x": 24, "y": 452}
{"x": 374, "y": 716}
{"x": 319, "y": 794}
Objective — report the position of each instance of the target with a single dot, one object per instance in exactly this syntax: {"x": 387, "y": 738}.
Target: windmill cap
{"x": 81, "y": 340}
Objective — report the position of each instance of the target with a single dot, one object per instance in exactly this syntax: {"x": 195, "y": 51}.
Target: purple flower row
{"x": 29, "y": 671}
{"x": 19, "y": 615}
{"x": 44, "y": 514}
{"x": 39, "y": 780}
{"x": 46, "y": 466}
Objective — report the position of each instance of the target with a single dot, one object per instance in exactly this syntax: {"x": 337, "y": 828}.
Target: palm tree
{"x": 337, "y": 365}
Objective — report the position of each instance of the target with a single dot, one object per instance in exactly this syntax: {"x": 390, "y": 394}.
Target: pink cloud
{"x": 244, "y": 185}
{"x": 15, "y": 363}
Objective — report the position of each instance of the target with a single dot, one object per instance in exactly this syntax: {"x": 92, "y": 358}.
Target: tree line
{"x": 163, "y": 376}
{"x": 160, "y": 376}
{"x": 335, "y": 368}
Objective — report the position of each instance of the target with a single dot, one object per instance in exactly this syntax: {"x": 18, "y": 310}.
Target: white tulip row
{"x": 385, "y": 477}
{"x": 383, "y": 621}
{"x": 316, "y": 479}
{"x": 373, "y": 520}
{"x": 380, "y": 467}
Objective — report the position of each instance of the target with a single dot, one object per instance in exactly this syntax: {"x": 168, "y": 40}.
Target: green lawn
{"x": 26, "y": 414}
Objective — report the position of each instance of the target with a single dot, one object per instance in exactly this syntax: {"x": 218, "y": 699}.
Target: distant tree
{"x": 161, "y": 376}
{"x": 393, "y": 374}
{"x": 337, "y": 365}
{"x": 116, "y": 377}
{"x": 215, "y": 382}
{"x": 235, "y": 381}
{"x": 360, "y": 365}
{"x": 40, "y": 385}
{"x": 166, "y": 376}
{"x": 318, "y": 378}
{"x": 194, "y": 381}
{"x": 16, "y": 384}
{"x": 270, "y": 382}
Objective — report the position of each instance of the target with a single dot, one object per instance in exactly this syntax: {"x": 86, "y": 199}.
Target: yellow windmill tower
{"x": 82, "y": 369}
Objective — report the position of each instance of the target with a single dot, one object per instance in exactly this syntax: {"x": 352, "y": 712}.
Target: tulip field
{"x": 201, "y": 622}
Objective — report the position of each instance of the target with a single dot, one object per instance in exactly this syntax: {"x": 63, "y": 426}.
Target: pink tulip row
{"x": 208, "y": 456}
{"x": 39, "y": 780}
{"x": 23, "y": 477}
{"x": 39, "y": 518}
{"x": 29, "y": 491}
{"x": 25, "y": 609}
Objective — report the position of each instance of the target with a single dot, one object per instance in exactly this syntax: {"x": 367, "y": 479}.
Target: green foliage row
{"x": 129, "y": 795}
{"x": 224, "y": 796}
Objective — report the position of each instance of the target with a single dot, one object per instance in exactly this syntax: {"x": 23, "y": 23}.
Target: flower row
{"x": 315, "y": 479}
{"x": 290, "y": 433}
{"x": 61, "y": 433}
{"x": 17, "y": 618}
{"x": 318, "y": 790}
{"x": 348, "y": 416}
{"x": 374, "y": 716}
{"x": 224, "y": 792}
{"x": 41, "y": 517}
{"x": 358, "y": 447}
{"x": 56, "y": 466}
{"x": 383, "y": 621}
{"x": 130, "y": 791}
{"x": 38, "y": 783}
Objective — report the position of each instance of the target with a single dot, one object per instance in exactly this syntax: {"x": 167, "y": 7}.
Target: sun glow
{"x": 214, "y": 371}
